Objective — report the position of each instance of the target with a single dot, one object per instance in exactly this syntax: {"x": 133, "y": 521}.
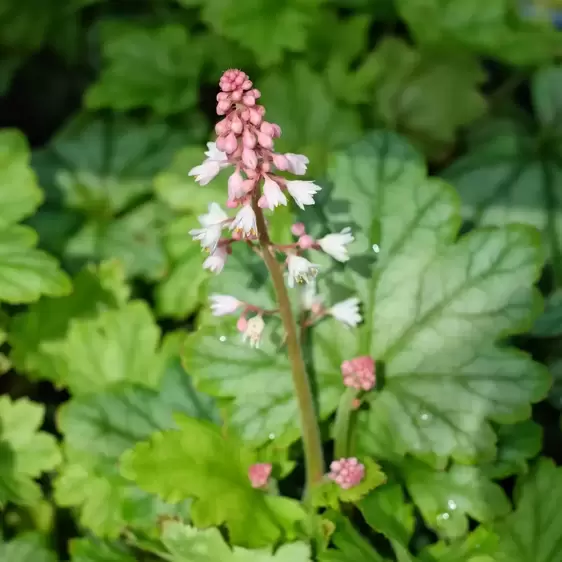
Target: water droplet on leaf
{"x": 452, "y": 504}
{"x": 425, "y": 417}
{"x": 376, "y": 248}
{"x": 271, "y": 436}
{"x": 442, "y": 517}
{"x": 222, "y": 338}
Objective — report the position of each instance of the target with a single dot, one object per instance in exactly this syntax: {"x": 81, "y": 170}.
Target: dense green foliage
{"x": 129, "y": 416}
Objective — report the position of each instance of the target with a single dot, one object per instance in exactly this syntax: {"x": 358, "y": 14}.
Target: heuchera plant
{"x": 256, "y": 185}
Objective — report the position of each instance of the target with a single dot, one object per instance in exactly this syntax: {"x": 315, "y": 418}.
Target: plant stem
{"x": 310, "y": 430}
{"x": 342, "y": 423}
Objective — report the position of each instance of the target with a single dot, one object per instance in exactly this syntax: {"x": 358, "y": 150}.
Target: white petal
{"x": 335, "y": 244}
{"x": 213, "y": 153}
{"x": 205, "y": 172}
{"x": 214, "y": 216}
{"x": 302, "y": 192}
{"x": 347, "y": 312}
{"x": 216, "y": 261}
{"x": 273, "y": 194}
{"x": 224, "y": 304}
{"x": 297, "y": 163}
{"x": 245, "y": 221}
{"x": 300, "y": 270}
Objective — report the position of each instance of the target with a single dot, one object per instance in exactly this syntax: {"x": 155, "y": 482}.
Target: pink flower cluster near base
{"x": 346, "y": 473}
{"x": 359, "y": 373}
{"x": 259, "y": 474}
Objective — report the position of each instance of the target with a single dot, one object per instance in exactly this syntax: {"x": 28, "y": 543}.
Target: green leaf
{"x": 546, "y": 88}
{"x": 549, "y": 324}
{"x": 313, "y": 122}
{"x": 262, "y": 405}
{"x": 350, "y": 544}
{"x": 25, "y": 273}
{"x": 479, "y": 546}
{"x": 28, "y": 547}
{"x": 200, "y": 462}
{"x": 427, "y": 95}
{"x": 268, "y": 30}
{"x": 134, "y": 239}
{"x": 517, "y": 444}
{"x": 95, "y": 550}
{"x": 98, "y": 428}
{"x": 35, "y": 333}
{"x": 187, "y": 544}
{"x": 117, "y": 346}
{"x": 8, "y": 66}
{"x": 103, "y": 166}
{"x": 512, "y": 176}
{"x": 386, "y": 512}
{"x": 534, "y": 531}
{"x": 494, "y": 29}
{"x": 146, "y": 67}
{"x": 434, "y": 307}
{"x": 445, "y": 498}
{"x": 555, "y": 394}
{"x": 25, "y": 452}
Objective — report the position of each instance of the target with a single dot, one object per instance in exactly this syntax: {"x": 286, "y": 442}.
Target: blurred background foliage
{"x": 115, "y": 99}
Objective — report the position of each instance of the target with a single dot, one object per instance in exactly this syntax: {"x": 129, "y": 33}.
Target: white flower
{"x": 215, "y": 262}
{"x": 273, "y": 194}
{"x": 335, "y": 244}
{"x": 297, "y": 163}
{"x": 212, "y": 223}
{"x": 222, "y": 305}
{"x": 302, "y": 192}
{"x": 216, "y": 160}
{"x": 245, "y": 221}
{"x": 254, "y": 330}
{"x": 309, "y": 297}
{"x": 300, "y": 270}
{"x": 347, "y": 312}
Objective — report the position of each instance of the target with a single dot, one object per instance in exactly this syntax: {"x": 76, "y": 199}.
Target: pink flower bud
{"x": 355, "y": 404}
{"x": 230, "y": 143}
{"x": 248, "y": 186}
{"x": 249, "y": 100}
{"x": 231, "y": 204}
{"x": 235, "y": 185}
{"x": 249, "y": 158}
{"x": 223, "y": 107}
{"x": 276, "y": 131}
{"x": 255, "y": 116}
{"x": 241, "y": 78}
{"x": 359, "y": 373}
{"x": 266, "y": 167}
{"x": 236, "y": 95}
{"x": 317, "y": 308}
{"x": 264, "y": 140}
{"x": 256, "y": 93}
{"x": 262, "y": 202}
{"x": 249, "y": 139}
{"x": 267, "y": 128}
{"x": 247, "y": 85}
{"x": 306, "y": 242}
{"x": 298, "y": 229}
{"x": 281, "y": 163}
{"x": 236, "y": 125}
{"x": 221, "y": 96}
{"x": 260, "y": 109}
{"x": 245, "y": 115}
{"x": 221, "y": 142}
{"x": 222, "y": 127}
{"x": 242, "y": 324}
{"x": 259, "y": 474}
{"x": 346, "y": 473}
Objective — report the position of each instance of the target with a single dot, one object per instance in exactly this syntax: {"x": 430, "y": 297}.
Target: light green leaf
{"x": 490, "y": 28}
{"x": 28, "y": 547}
{"x": 25, "y": 452}
{"x": 386, "y": 512}
{"x": 517, "y": 444}
{"x": 146, "y": 67}
{"x": 349, "y": 544}
{"x": 479, "y": 546}
{"x": 426, "y": 95}
{"x": 312, "y": 121}
{"x": 534, "y": 531}
{"x": 181, "y": 192}
{"x": 549, "y": 324}
{"x": 187, "y": 544}
{"x": 95, "y": 550}
{"x": 434, "y": 307}
{"x": 258, "y": 381}
{"x": 102, "y": 166}
{"x": 134, "y": 239}
{"x": 268, "y": 30}
{"x": 511, "y": 174}
{"x": 200, "y": 462}
{"x": 35, "y": 333}
{"x": 445, "y": 498}
{"x": 98, "y": 428}
{"x": 25, "y": 273}
{"x": 117, "y": 346}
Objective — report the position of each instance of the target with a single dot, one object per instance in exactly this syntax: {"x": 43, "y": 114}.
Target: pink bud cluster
{"x": 359, "y": 373}
{"x": 346, "y": 473}
{"x": 259, "y": 474}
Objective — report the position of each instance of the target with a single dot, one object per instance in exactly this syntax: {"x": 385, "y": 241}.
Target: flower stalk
{"x": 311, "y": 433}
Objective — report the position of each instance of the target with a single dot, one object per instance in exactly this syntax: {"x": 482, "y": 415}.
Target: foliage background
{"x": 106, "y": 105}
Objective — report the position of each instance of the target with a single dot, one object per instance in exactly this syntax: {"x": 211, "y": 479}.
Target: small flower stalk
{"x": 261, "y": 180}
